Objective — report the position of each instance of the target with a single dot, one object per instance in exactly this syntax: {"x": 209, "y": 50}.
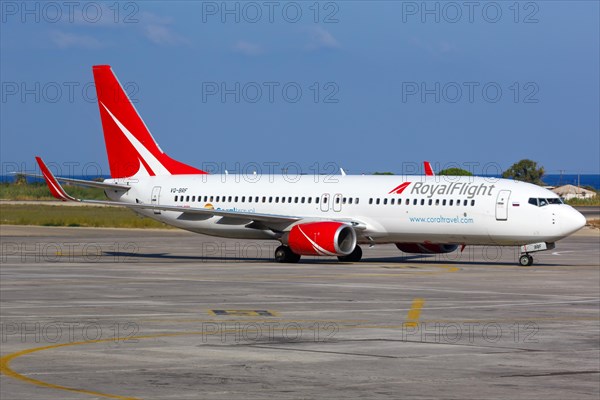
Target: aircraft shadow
{"x": 417, "y": 259}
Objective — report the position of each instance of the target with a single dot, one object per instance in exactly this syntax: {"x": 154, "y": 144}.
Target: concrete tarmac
{"x": 161, "y": 314}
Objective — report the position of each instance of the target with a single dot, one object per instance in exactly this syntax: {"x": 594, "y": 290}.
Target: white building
{"x": 571, "y": 192}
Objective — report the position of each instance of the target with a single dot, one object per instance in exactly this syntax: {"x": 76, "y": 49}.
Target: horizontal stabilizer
{"x": 80, "y": 182}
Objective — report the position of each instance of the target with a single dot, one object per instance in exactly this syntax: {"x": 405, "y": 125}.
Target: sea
{"x": 592, "y": 180}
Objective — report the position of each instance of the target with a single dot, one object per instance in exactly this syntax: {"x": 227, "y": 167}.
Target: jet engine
{"x": 322, "y": 239}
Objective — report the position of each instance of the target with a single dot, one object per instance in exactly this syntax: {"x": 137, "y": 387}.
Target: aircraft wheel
{"x": 526, "y": 260}
{"x": 283, "y": 254}
{"x": 355, "y": 256}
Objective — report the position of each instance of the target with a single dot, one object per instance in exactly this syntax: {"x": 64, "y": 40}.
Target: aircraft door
{"x": 325, "y": 202}
{"x": 155, "y": 198}
{"x": 337, "y": 202}
{"x": 502, "y": 205}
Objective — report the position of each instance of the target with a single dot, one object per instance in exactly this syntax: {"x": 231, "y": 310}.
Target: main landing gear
{"x": 283, "y": 254}
{"x": 355, "y": 256}
{"x": 525, "y": 260}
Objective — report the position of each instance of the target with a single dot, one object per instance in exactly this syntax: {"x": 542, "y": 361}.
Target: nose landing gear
{"x": 525, "y": 260}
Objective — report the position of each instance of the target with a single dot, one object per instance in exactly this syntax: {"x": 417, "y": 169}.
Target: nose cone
{"x": 572, "y": 221}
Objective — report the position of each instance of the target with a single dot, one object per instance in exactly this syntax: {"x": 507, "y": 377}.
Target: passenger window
{"x": 444, "y": 202}
{"x": 187, "y": 198}
{"x": 473, "y": 202}
{"x": 309, "y": 200}
{"x": 264, "y": 199}
{"x": 344, "y": 200}
{"x": 283, "y": 199}
{"x": 384, "y": 201}
{"x": 316, "y": 200}
{"x": 430, "y": 201}
{"x": 350, "y": 200}
{"x": 249, "y": 199}
{"x": 290, "y": 199}
{"x": 356, "y": 201}
{"x": 175, "y": 198}
{"x": 243, "y": 199}
{"x": 437, "y": 202}
{"x": 377, "y": 201}
{"x": 370, "y": 201}
{"x": 451, "y": 202}
{"x": 415, "y": 201}
{"x": 337, "y": 200}
{"x": 256, "y": 199}
{"x": 407, "y": 202}
{"x": 276, "y": 199}
{"x": 422, "y": 202}
{"x": 392, "y": 201}
{"x": 302, "y": 200}
{"x": 270, "y": 199}
{"x": 465, "y": 202}
{"x": 193, "y": 198}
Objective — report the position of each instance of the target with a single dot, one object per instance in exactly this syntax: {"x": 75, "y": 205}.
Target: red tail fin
{"x": 131, "y": 148}
{"x": 428, "y": 169}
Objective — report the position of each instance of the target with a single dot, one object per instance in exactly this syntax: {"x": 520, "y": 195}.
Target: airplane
{"x": 316, "y": 215}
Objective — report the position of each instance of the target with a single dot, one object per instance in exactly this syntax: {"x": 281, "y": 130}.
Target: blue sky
{"x": 382, "y": 85}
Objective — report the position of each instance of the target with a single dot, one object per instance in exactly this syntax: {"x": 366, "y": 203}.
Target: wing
{"x": 257, "y": 220}
{"x": 428, "y": 169}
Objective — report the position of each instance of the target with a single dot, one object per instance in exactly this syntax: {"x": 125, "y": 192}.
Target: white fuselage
{"x": 391, "y": 209}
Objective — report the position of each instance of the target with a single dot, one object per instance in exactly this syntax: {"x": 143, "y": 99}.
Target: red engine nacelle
{"x": 322, "y": 239}
{"x": 426, "y": 248}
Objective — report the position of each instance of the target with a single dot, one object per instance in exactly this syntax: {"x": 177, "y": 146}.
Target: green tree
{"x": 20, "y": 179}
{"x": 526, "y": 171}
{"x": 455, "y": 172}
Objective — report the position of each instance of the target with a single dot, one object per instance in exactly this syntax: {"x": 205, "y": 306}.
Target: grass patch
{"x": 594, "y": 223}
{"x": 75, "y": 216}
{"x": 594, "y": 201}
{"x": 39, "y": 191}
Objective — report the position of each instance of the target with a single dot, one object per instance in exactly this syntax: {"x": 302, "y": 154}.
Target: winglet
{"x": 55, "y": 188}
{"x": 428, "y": 169}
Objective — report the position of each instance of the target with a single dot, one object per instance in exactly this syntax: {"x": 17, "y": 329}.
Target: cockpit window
{"x": 541, "y": 202}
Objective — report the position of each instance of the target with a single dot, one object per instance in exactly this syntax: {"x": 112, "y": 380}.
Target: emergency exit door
{"x": 155, "y": 198}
